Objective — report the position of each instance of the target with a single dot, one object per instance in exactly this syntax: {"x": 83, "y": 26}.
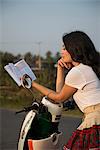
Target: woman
{"x": 83, "y": 83}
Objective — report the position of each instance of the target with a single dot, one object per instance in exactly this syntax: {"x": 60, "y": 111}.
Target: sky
{"x": 37, "y": 26}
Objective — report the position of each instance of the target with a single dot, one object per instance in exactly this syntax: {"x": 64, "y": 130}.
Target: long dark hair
{"x": 82, "y": 50}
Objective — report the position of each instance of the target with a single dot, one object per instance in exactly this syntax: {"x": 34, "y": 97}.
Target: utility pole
{"x": 39, "y": 48}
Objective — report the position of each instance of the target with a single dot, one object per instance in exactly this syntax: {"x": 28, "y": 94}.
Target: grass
{"x": 18, "y": 99}
{"x": 17, "y": 104}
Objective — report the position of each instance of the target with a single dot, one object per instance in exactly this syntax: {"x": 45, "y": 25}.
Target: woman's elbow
{"x": 59, "y": 98}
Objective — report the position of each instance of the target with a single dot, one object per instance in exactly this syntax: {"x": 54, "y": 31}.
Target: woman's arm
{"x": 60, "y": 78}
{"x": 63, "y": 91}
{"x": 60, "y": 74}
{"x": 61, "y": 96}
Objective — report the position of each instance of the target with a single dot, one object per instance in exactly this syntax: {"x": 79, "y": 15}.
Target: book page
{"x": 24, "y": 68}
{"x": 16, "y": 71}
{"x": 15, "y": 74}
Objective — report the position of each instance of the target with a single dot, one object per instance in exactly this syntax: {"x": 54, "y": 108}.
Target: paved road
{"x": 10, "y": 125}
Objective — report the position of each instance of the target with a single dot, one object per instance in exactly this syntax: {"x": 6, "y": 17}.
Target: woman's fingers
{"x": 63, "y": 64}
{"x": 60, "y": 63}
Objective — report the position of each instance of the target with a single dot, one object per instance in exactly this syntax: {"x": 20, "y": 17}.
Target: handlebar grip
{"x": 17, "y": 112}
{"x": 26, "y": 109}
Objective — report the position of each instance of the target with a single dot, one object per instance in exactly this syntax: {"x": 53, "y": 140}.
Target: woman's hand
{"x": 66, "y": 60}
{"x": 62, "y": 64}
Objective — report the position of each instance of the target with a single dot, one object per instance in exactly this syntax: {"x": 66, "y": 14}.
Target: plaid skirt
{"x": 87, "y": 135}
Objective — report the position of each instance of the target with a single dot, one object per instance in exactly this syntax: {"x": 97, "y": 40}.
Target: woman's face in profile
{"x": 65, "y": 55}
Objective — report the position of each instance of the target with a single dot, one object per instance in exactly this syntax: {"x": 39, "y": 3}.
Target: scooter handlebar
{"x": 34, "y": 106}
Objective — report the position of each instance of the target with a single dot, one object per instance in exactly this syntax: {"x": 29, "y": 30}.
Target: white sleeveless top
{"x": 85, "y": 80}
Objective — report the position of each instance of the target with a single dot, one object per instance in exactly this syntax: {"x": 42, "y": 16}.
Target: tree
{"x": 29, "y": 58}
{"x": 49, "y": 56}
{"x": 50, "y": 70}
{"x": 6, "y": 57}
{"x": 57, "y": 56}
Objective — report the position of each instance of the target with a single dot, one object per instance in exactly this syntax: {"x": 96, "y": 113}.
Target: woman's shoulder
{"x": 78, "y": 68}
{"x": 81, "y": 68}
{"x": 76, "y": 72}
{"x": 84, "y": 71}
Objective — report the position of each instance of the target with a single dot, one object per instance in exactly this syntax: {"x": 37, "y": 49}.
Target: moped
{"x": 39, "y": 130}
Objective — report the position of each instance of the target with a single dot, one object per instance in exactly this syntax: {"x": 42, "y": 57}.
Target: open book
{"x": 16, "y": 71}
